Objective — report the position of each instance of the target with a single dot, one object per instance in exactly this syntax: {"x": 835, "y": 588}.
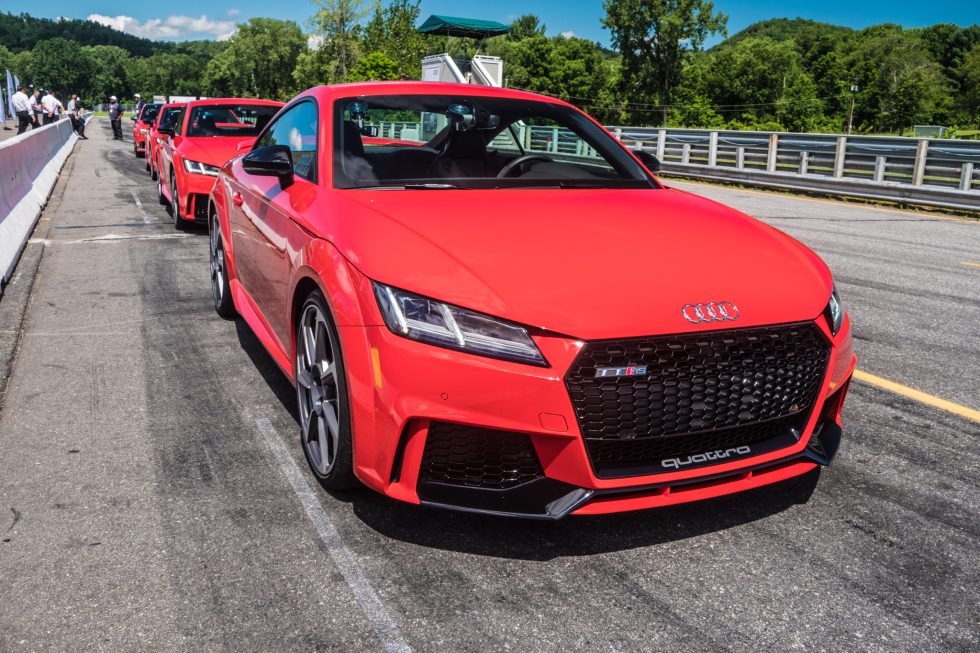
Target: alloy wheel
{"x": 217, "y": 265}
{"x": 316, "y": 384}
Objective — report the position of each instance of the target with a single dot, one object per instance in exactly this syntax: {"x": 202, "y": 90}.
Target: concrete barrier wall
{"x": 29, "y": 167}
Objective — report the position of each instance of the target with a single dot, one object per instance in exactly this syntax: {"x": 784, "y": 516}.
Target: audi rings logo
{"x": 710, "y": 312}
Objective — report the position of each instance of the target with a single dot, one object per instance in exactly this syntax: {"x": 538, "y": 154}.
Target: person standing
{"x": 35, "y": 109}
{"x": 51, "y": 106}
{"x": 22, "y": 108}
{"x": 140, "y": 102}
{"x": 75, "y": 115}
{"x": 115, "y": 117}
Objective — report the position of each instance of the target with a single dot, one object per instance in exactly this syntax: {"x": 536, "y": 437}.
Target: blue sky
{"x": 182, "y": 19}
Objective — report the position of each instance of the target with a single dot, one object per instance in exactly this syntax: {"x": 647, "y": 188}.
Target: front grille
{"x": 478, "y": 457}
{"x": 702, "y": 392}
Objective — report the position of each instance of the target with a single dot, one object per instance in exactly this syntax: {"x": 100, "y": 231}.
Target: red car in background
{"x": 475, "y": 320}
{"x": 167, "y": 117}
{"x": 206, "y": 135}
{"x": 141, "y": 126}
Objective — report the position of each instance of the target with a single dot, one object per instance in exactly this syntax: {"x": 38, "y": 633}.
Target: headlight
{"x": 835, "y": 314}
{"x": 200, "y": 168}
{"x": 144, "y": 131}
{"x": 444, "y": 325}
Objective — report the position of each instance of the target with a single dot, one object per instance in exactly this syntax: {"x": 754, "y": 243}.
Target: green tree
{"x": 525, "y": 27}
{"x": 375, "y": 66}
{"x": 110, "y": 72}
{"x": 655, "y": 37}
{"x": 392, "y": 32}
{"x": 60, "y": 65}
{"x": 337, "y": 23}
{"x": 969, "y": 72}
{"x": 259, "y": 60}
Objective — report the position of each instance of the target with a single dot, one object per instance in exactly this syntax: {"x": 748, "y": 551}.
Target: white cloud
{"x": 171, "y": 27}
{"x": 568, "y": 35}
{"x": 234, "y": 12}
{"x": 314, "y": 41}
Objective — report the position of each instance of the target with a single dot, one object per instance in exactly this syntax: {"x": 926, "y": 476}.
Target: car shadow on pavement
{"x": 539, "y": 540}
{"x": 572, "y": 536}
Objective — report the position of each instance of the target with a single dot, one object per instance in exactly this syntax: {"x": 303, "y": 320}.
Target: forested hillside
{"x": 779, "y": 74}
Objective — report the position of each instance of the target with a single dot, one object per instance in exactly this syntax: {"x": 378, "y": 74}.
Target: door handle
{"x": 237, "y": 199}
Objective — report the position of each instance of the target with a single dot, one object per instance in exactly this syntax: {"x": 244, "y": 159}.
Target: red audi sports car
{"x": 208, "y": 133}
{"x": 487, "y": 303}
{"x": 167, "y": 117}
{"x": 141, "y": 126}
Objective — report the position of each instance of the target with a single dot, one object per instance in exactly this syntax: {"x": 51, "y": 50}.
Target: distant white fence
{"x": 29, "y": 167}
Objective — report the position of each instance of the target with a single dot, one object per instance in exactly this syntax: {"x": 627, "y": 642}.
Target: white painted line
{"x": 139, "y": 205}
{"x": 367, "y": 599}
{"x": 108, "y": 238}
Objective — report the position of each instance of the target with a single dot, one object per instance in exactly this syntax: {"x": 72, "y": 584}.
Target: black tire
{"x": 160, "y": 196}
{"x": 321, "y": 396}
{"x": 179, "y": 223}
{"x": 220, "y": 288}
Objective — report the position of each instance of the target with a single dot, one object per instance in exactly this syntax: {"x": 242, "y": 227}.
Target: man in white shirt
{"x": 75, "y": 115}
{"x": 22, "y": 109}
{"x": 52, "y": 107}
{"x": 35, "y": 108}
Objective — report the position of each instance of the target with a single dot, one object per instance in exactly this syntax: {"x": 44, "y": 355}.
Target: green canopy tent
{"x": 463, "y": 27}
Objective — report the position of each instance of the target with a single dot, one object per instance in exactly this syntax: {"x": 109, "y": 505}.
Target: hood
{"x": 213, "y": 150}
{"x": 583, "y": 263}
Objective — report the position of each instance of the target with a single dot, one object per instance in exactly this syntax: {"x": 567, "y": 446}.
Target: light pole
{"x": 850, "y": 110}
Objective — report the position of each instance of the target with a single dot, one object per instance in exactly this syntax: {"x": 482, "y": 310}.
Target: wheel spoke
{"x": 308, "y": 347}
{"x": 304, "y": 378}
{"x": 324, "y": 442}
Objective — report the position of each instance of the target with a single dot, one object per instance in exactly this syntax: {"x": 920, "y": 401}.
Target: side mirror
{"x": 165, "y": 129}
{"x": 270, "y": 161}
{"x": 133, "y": 118}
{"x": 651, "y": 162}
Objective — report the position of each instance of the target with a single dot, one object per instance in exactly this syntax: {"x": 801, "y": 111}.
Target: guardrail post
{"x": 554, "y": 139}
{"x": 661, "y": 144}
{"x": 879, "y": 168}
{"x": 771, "y": 156}
{"x": 618, "y": 133}
{"x": 966, "y": 176}
{"x": 840, "y": 153}
{"x": 686, "y": 153}
{"x": 804, "y": 161}
{"x": 919, "y": 170}
{"x": 713, "y": 149}
{"x": 740, "y": 157}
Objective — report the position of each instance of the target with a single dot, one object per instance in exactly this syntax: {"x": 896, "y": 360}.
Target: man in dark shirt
{"x": 115, "y": 117}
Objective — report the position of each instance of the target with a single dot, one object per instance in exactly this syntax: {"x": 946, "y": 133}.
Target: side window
{"x": 297, "y": 129}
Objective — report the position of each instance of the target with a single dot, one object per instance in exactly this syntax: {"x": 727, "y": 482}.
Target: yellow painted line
{"x": 918, "y": 395}
{"x": 976, "y": 265}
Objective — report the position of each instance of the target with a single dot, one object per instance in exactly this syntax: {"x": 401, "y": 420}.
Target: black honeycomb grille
{"x": 701, "y": 392}
{"x": 478, "y": 457}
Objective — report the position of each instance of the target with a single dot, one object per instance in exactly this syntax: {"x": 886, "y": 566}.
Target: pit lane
{"x": 143, "y": 507}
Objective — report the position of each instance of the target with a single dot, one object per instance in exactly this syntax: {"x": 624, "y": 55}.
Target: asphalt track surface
{"x": 154, "y": 496}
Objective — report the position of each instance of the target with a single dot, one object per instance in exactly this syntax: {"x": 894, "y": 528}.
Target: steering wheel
{"x": 521, "y": 160}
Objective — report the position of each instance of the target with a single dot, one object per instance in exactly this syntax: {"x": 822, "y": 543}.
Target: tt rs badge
{"x": 615, "y": 372}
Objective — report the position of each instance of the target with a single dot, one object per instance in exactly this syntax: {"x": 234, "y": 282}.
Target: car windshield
{"x": 229, "y": 119}
{"x": 167, "y": 117}
{"x": 150, "y": 112}
{"x": 445, "y": 142}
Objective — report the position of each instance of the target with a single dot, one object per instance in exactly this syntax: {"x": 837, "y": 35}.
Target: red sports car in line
{"x": 487, "y": 303}
{"x": 167, "y": 117}
{"x": 141, "y": 126}
{"x": 207, "y": 134}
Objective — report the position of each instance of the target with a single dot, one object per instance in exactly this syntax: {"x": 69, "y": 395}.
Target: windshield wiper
{"x": 419, "y": 186}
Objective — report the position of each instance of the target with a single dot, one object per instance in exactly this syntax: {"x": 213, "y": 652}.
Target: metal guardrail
{"x": 926, "y": 171}
{"x": 933, "y": 172}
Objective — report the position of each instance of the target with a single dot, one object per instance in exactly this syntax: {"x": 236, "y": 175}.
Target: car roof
{"x": 233, "y": 100}
{"x": 356, "y": 89}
